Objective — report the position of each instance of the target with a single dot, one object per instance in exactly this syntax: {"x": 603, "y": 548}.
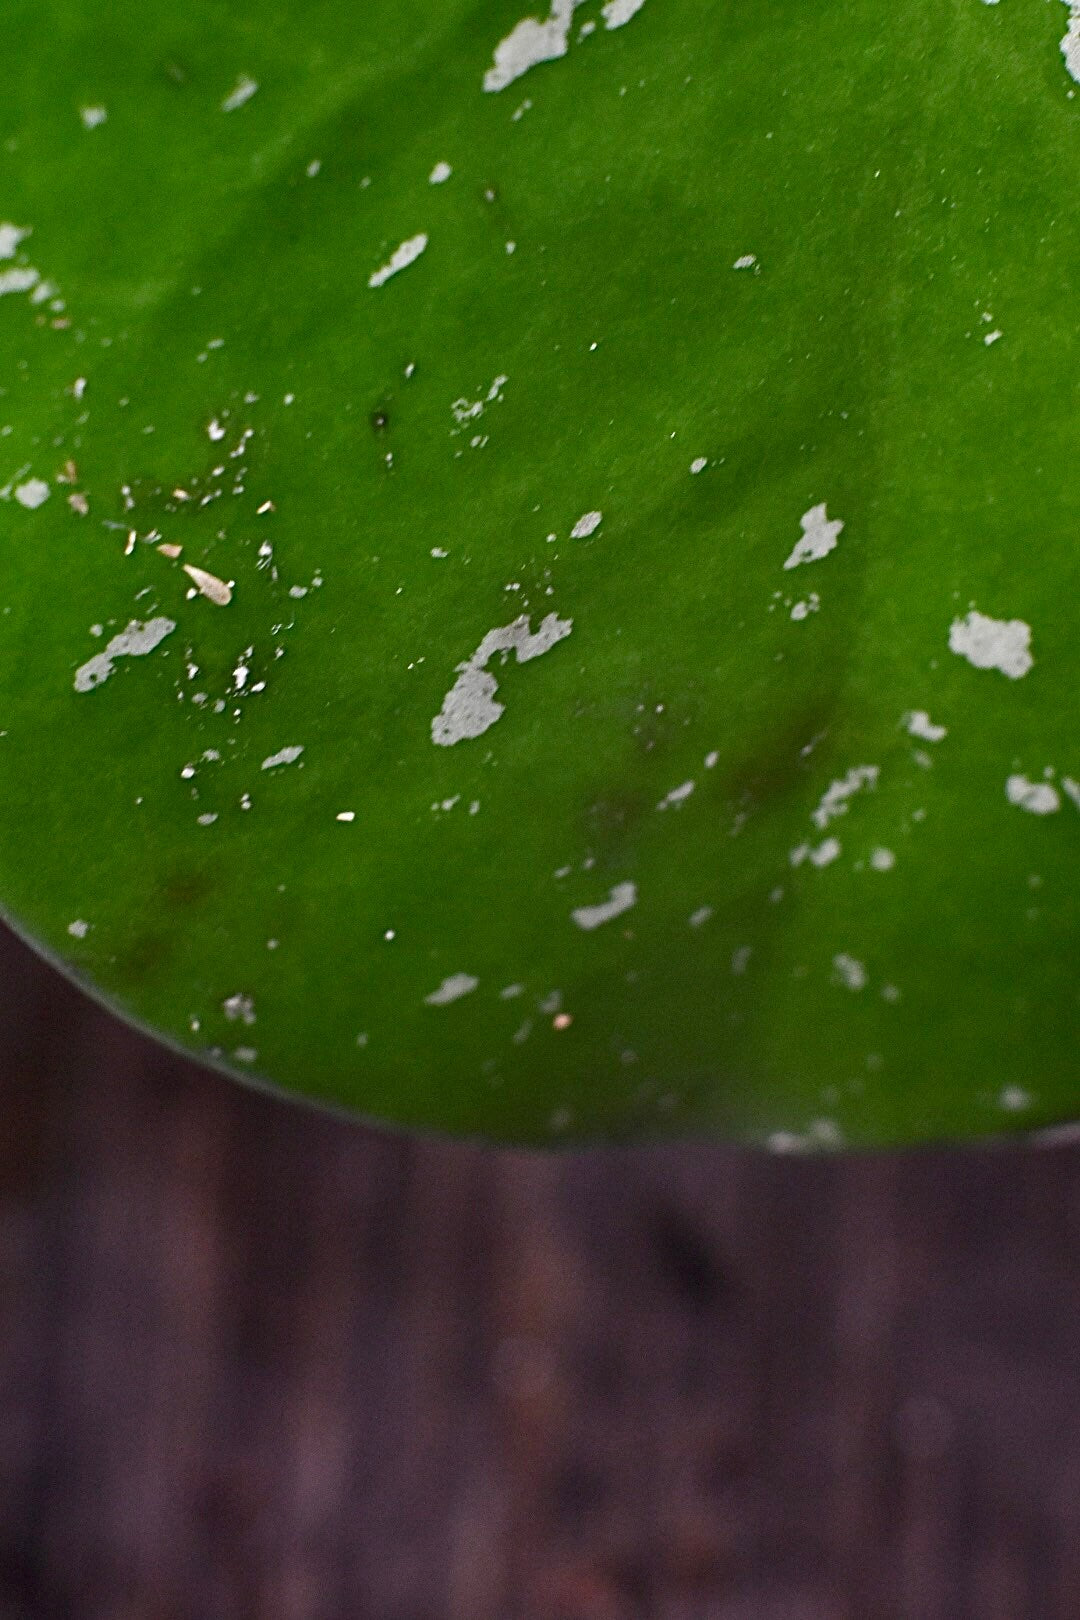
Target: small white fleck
{"x": 740, "y": 959}
{"x": 242, "y": 92}
{"x": 620, "y": 899}
{"x": 827, "y": 851}
{"x": 616, "y": 13}
{"x": 284, "y": 756}
{"x": 819, "y": 537}
{"x": 712, "y": 760}
{"x": 208, "y": 819}
{"x": 93, "y": 117}
{"x": 18, "y": 280}
{"x": 214, "y": 430}
{"x": 849, "y": 972}
{"x": 10, "y": 237}
{"x": 400, "y": 259}
{"x": 345, "y": 815}
{"x": 701, "y": 916}
{"x": 530, "y": 42}
{"x": 986, "y": 643}
{"x": 1039, "y": 798}
{"x": 919, "y": 724}
{"x": 440, "y": 173}
{"x": 587, "y": 524}
{"x": 746, "y": 262}
{"x": 78, "y": 929}
{"x": 699, "y": 464}
{"x": 245, "y": 1054}
{"x": 834, "y": 801}
{"x": 239, "y": 1008}
{"x": 802, "y": 610}
{"x": 32, "y": 494}
{"x": 452, "y": 989}
{"x": 313, "y": 168}
{"x": 992, "y": 337}
{"x": 882, "y": 860}
{"x": 1014, "y": 1099}
{"x": 678, "y": 795}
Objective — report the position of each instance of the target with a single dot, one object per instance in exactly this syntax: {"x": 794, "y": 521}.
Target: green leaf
{"x": 623, "y": 680}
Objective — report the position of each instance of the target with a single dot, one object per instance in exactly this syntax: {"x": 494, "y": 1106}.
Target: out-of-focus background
{"x": 258, "y": 1362}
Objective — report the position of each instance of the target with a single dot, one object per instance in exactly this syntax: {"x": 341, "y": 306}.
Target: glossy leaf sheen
{"x": 542, "y": 929}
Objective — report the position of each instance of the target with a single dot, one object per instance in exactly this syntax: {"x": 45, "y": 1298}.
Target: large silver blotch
{"x": 133, "y": 642}
{"x": 469, "y": 707}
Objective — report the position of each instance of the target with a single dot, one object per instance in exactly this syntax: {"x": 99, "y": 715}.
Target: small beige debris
{"x": 215, "y": 590}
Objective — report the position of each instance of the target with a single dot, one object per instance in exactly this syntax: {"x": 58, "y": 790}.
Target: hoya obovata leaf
{"x": 541, "y": 553}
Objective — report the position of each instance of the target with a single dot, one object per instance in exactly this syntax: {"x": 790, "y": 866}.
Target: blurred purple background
{"x": 255, "y": 1362}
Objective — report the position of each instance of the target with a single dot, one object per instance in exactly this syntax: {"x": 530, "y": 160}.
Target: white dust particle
{"x": 18, "y": 280}
{"x": 10, "y": 237}
{"x": 746, "y": 262}
{"x": 245, "y": 1054}
{"x": 919, "y": 724}
{"x": 698, "y": 918}
{"x": 678, "y": 795}
{"x": 241, "y": 92}
{"x": 32, "y": 494}
{"x": 617, "y": 12}
{"x": 467, "y": 410}
{"x": 827, "y": 851}
{"x": 834, "y": 799}
{"x": 284, "y": 756}
{"x": 345, "y": 815}
{"x": 819, "y": 537}
{"x": 92, "y": 117}
{"x": 1003, "y": 644}
{"x": 440, "y": 173}
{"x": 803, "y": 610}
{"x": 452, "y": 989}
{"x": 587, "y": 524}
{"x": 214, "y": 430}
{"x": 620, "y": 899}
{"x": 699, "y": 464}
{"x": 1014, "y": 1099}
{"x": 882, "y": 860}
{"x": 208, "y": 819}
{"x": 218, "y": 591}
{"x": 849, "y": 972}
{"x": 133, "y": 642}
{"x": 1070, "y": 44}
{"x": 469, "y": 707}
{"x": 1039, "y": 798}
{"x": 1072, "y": 789}
{"x": 992, "y": 337}
{"x": 740, "y": 959}
{"x": 400, "y": 259}
{"x": 239, "y": 1008}
{"x": 78, "y": 929}
{"x": 530, "y": 42}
